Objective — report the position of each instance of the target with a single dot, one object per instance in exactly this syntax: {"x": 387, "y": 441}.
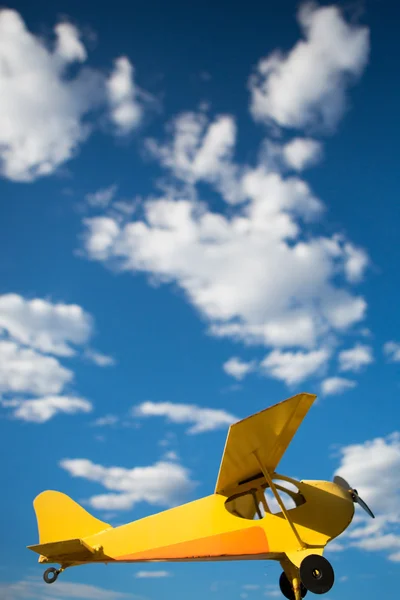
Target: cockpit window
{"x": 255, "y": 503}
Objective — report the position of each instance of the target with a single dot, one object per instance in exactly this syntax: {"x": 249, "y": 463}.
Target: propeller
{"x": 353, "y": 493}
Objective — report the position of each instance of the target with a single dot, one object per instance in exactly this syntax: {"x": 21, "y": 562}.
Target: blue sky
{"x": 199, "y": 218}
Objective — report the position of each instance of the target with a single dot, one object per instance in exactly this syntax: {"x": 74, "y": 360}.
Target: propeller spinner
{"x": 353, "y": 493}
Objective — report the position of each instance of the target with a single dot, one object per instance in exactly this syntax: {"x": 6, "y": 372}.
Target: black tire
{"x": 286, "y": 587}
{"x": 50, "y": 575}
{"x": 317, "y": 574}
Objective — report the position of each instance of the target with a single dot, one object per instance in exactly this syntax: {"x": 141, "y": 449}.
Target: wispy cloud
{"x": 152, "y": 574}
{"x": 33, "y": 588}
{"x": 392, "y": 351}
{"x": 202, "y": 419}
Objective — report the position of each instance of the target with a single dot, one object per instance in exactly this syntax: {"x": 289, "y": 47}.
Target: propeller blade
{"x": 342, "y": 483}
{"x": 365, "y": 506}
{"x": 354, "y": 494}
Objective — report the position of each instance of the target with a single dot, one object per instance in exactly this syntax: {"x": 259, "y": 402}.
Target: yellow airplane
{"x": 233, "y": 523}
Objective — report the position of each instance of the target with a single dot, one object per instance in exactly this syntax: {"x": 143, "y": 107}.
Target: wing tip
{"x": 301, "y": 395}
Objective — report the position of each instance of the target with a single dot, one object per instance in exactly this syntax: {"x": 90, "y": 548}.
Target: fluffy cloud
{"x": 32, "y": 382}
{"x": 307, "y": 87}
{"x": 356, "y": 261}
{"x": 51, "y": 328}
{"x": 373, "y": 468}
{"x": 294, "y": 367}
{"x": 23, "y": 370}
{"x": 336, "y": 385}
{"x": 201, "y": 151}
{"x": 355, "y": 358}
{"x": 301, "y": 153}
{"x": 69, "y": 47}
{"x": 126, "y": 112}
{"x": 202, "y": 419}
{"x": 237, "y": 368}
{"x": 392, "y": 351}
{"x": 162, "y": 484}
{"x": 249, "y": 274}
{"x": 39, "y": 131}
{"x": 41, "y": 410}
{"x": 259, "y": 272}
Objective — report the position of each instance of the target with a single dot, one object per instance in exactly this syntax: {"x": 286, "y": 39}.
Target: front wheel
{"x": 316, "y": 573}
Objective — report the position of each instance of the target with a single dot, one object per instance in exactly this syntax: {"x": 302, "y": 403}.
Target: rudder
{"x": 61, "y": 518}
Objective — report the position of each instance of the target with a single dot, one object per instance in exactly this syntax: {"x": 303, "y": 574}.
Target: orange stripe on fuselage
{"x": 233, "y": 543}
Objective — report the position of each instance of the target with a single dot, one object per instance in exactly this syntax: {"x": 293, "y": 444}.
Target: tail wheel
{"x": 286, "y": 587}
{"x": 316, "y": 573}
{"x": 50, "y": 575}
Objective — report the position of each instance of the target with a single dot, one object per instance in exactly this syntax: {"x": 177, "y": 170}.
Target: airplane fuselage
{"x": 205, "y": 529}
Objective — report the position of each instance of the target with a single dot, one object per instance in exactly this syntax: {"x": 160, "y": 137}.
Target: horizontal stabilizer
{"x": 65, "y": 550}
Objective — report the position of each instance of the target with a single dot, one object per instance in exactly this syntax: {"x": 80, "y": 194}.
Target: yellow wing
{"x": 269, "y": 432}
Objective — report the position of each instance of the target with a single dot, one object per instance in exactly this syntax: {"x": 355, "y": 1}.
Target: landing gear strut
{"x": 51, "y": 575}
{"x": 287, "y": 589}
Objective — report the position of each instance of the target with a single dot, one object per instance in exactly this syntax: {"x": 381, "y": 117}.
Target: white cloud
{"x": 33, "y": 588}
{"x": 336, "y": 385}
{"x": 171, "y": 455}
{"x": 251, "y": 586}
{"x": 272, "y": 591}
{"x": 373, "y": 468}
{"x": 23, "y": 370}
{"x": 248, "y": 274}
{"x": 99, "y": 359}
{"x": 238, "y": 368}
{"x": 33, "y": 383}
{"x": 162, "y": 484}
{"x": 356, "y": 261}
{"x": 52, "y": 328}
{"x": 335, "y": 547}
{"x": 69, "y": 47}
{"x": 201, "y": 151}
{"x": 259, "y": 272}
{"x": 41, "y": 410}
{"x": 126, "y": 112}
{"x": 152, "y": 574}
{"x": 203, "y": 419}
{"x": 104, "y": 232}
{"x": 355, "y": 358}
{"x": 103, "y": 197}
{"x": 392, "y": 351}
{"x": 301, "y": 153}
{"x": 39, "y": 131}
{"x": 307, "y": 87}
{"x": 294, "y": 367}
{"x": 106, "y": 421}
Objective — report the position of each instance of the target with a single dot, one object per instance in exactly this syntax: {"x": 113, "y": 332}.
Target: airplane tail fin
{"x": 62, "y": 523}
